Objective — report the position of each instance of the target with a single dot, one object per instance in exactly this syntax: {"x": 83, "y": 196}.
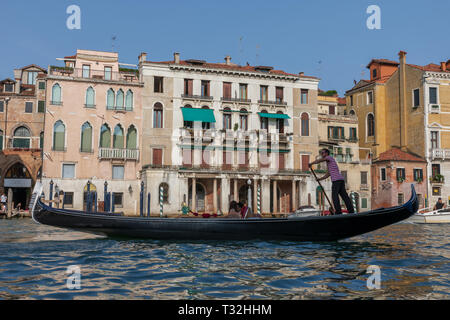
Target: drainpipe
{"x": 6, "y": 121}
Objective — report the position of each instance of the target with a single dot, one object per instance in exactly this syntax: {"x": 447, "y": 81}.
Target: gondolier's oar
{"x": 323, "y": 190}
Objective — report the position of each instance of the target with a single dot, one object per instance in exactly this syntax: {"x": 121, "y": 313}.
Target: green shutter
{"x": 41, "y": 85}
{"x": 41, "y": 106}
{"x": 1, "y": 142}
{"x": 118, "y": 138}
{"x": 58, "y": 136}
{"x": 105, "y": 137}
{"x": 131, "y": 138}
{"x": 110, "y": 99}
{"x": 129, "y": 101}
{"x": 364, "y": 203}
{"x": 86, "y": 138}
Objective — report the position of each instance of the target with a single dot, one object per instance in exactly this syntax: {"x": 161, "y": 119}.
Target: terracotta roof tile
{"x": 383, "y": 61}
{"x": 396, "y": 154}
{"x": 429, "y": 67}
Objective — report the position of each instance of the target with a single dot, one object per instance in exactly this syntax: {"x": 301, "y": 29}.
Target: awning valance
{"x": 201, "y": 115}
{"x": 273, "y": 115}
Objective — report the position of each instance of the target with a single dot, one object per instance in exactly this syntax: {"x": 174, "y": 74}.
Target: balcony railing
{"x": 119, "y": 154}
{"x": 238, "y": 100}
{"x": 196, "y": 97}
{"x": 441, "y": 154}
{"x": 439, "y": 179}
{"x": 127, "y": 76}
{"x": 276, "y": 102}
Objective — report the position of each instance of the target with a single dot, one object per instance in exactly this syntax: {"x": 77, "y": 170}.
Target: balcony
{"x": 196, "y": 97}
{"x": 236, "y": 100}
{"x": 441, "y": 154}
{"x": 118, "y": 154}
{"x": 125, "y": 75}
{"x": 437, "y": 179}
{"x": 272, "y": 103}
{"x": 435, "y": 108}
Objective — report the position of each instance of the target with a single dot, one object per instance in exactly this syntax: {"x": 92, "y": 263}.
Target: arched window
{"x": 188, "y": 124}
{"x": 59, "y": 135}
{"x": 56, "y": 94}
{"x": 352, "y": 112}
{"x": 264, "y": 121}
{"x": 206, "y": 125}
{"x": 18, "y": 171}
{"x": 157, "y": 115}
{"x": 243, "y": 119}
{"x": 280, "y": 123}
{"x": 41, "y": 140}
{"x": 21, "y": 138}
{"x": 105, "y": 136}
{"x": 86, "y": 138}
{"x": 110, "y": 99}
{"x": 227, "y": 118}
{"x": 305, "y": 124}
{"x": 370, "y": 125}
{"x": 119, "y": 99}
{"x": 118, "y": 137}
{"x": 132, "y": 138}
{"x": 1, "y": 140}
{"x": 129, "y": 101}
{"x": 165, "y": 192}
{"x": 90, "y": 98}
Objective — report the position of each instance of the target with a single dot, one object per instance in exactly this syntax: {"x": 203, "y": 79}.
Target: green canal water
{"x": 413, "y": 260}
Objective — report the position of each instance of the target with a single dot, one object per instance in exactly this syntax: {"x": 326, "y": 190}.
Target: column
{"x": 215, "y": 195}
{"x": 293, "y": 196}
{"x": 194, "y": 195}
{"x": 265, "y": 195}
{"x": 225, "y": 193}
{"x": 235, "y": 190}
{"x": 274, "y": 197}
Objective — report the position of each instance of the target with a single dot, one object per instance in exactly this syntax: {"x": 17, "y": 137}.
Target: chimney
{"x": 227, "y": 60}
{"x": 18, "y": 78}
{"x": 403, "y": 109}
{"x": 444, "y": 66}
{"x": 402, "y": 56}
{"x": 142, "y": 57}
{"x": 176, "y": 57}
{"x": 301, "y": 74}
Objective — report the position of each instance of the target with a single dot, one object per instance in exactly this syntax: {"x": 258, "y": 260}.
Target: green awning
{"x": 273, "y": 115}
{"x": 201, "y": 115}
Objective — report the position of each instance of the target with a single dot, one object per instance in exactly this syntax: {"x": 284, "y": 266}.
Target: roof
{"x": 342, "y": 101}
{"x": 8, "y": 80}
{"x": 396, "y": 154}
{"x": 34, "y": 66}
{"x": 233, "y": 67}
{"x": 429, "y": 67}
{"x": 383, "y": 61}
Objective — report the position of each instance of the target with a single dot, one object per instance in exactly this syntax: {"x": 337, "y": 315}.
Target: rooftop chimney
{"x": 176, "y": 57}
{"x": 227, "y": 60}
{"x": 143, "y": 57}
{"x": 18, "y": 78}
{"x": 402, "y": 56}
{"x": 444, "y": 66}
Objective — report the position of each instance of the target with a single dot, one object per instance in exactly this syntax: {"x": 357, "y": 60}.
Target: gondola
{"x": 312, "y": 228}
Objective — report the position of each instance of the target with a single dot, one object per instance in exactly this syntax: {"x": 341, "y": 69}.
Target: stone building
{"x": 214, "y": 130}
{"x": 22, "y": 110}
{"x": 93, "y": 129}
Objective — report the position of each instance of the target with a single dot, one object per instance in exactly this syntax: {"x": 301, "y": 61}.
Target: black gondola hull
{"x": 329, "y": 228}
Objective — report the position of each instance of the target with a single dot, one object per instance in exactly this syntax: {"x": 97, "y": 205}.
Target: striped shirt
{"x": 333, "y": 169}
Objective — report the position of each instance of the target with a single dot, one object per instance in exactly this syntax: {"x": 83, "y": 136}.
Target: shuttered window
{"x": 227, "y": 90}
{"x": 118, "y": 172}
{"x": 305, "y": 162}
{"x": 433, "y": 96}
{"x": 157, "y": 157}
{"x": 68, "y": 171}
{"x": 41, "y": 106}
{"x": 416, "y": 95}
{"x": 28, "y": 107}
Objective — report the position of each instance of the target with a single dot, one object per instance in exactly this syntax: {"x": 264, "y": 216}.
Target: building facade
{"x": 214, "y": 131}
{"x": 93, "y": 130}
{"x": 339, "y": 134}
{"x": 22, "y": 109}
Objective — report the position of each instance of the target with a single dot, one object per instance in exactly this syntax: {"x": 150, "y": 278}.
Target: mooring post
{"x": 161, "y": 194}
{"x": 107, "y": 202}
{"x": 51, "y": 193}
{"x": 354, "y": 202}
{"x": 259, "y": 199}
{"x": 88, "y": 197}
{"x": 95, "y": 201}
{"x": 105, "y": 191}
{"x": 64, "y": 199}
{"x": 148, "y": 205}
{"x": 112, "y": 202}
{"x": 141, "y": 200}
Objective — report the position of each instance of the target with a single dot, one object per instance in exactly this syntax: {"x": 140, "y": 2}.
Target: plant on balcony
{"x": 128, "y": 70}
{"x": 438, "y": 178}
{"x": 419, "y": 180}
{"x": 401, "y": 179}
{"x": 236, "y": 127}
{"x": 63, "y": 69}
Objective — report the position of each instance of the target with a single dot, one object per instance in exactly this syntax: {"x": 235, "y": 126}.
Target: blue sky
{"x": 328, "y": 39}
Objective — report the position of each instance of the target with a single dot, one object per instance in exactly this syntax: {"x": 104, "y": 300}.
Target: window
{"x": 108, "y": 73}
{"x": 118, "y": 137}
{"x": 129, "y": 100}
{"x": 90, "y": 98}
{"x": 280, "y": 124}
{"x": 401, "y": 175}
{"x": 434, "y": 139}
{"x": 68, "y": 171}
{"x": 351, "y": 101}
{"x": 305, "y": 124}
{"x": 59, "y": 133}
{"x": 41, "y": 85}
{"x": 264, "y": 93}
{"x": 86, "y": 71}
{"x": 374, "y": 73}
{"x": 105, "y": 136}
{"x": 157, "y": 157}
{"x": 28, "y": 107}
{"x": 279, "y": 94}
{"x": 41, "y": 106}
{"x": 370, "y": 97}
{"x": 433, "y": 96}
{"x": 383, "y": 176}
{"x": 2, "y": 106}
{"x": 206, "y": 125}
{"x": 364, "y": 203}
{"x": 132, "y": 138}
{"x": 56, "y": 94}
{"x": 401, "y": 199}
{"x": 86, "y": 137}
{"x": 243, "y": 91}
{"x": 435, "y": 169}
{"x": 22, "y": 138}
{"x": 416, "y": 98}
{"x": 364, "y": 177}
{"x": 227, "y": 90}
{"x": 188, "y": 84}
{"x": 304, "y": 96}
{"x": 370, "y": 125}
{"x": 41, "y": 140}
{"x": 110, "y": 99}
{"x": 119, "y": 99}
{"x": 205, "y": 88}
{"x": 227, "y": 119}
{"x": 305, "y": 162}
{"x": 418, "y": 175}
{"x": 118, "y": 172}
{"x": 331, "y": 109}
{"x": 436, "y": 191}
{"x": 264, "y": 121}
{"x": 243, "y": 120}
{"x": 158, "y": 85}
{"x": 352, "y": 112}
{"x": 68, "y": 199}
{"x": 158, "y": 115}
{"x": 165, "y": 192}
{"x": 9, "y": 87}
{"x": 1, "y": 140}
{"x": 118, "y": 199}
{"x": 32, "y": 75}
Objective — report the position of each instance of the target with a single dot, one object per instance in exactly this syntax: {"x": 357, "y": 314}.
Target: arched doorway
{"x": 271, "y": 198}
{"x": 92, "y": 190}
{"x": 243, "y": 193}
{"x": 18, "y": 178}
{"x": 200, "y": 197}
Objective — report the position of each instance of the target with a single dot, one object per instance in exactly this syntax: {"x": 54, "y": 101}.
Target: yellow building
{"x": 406, "y": 106}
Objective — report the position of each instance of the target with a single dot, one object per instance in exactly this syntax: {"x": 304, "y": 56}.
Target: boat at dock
{"x": 308, "y": 228}
{"x": 431, "y": 216}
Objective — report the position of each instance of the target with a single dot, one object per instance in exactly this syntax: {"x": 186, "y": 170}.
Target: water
{"x": 414, "y": 262}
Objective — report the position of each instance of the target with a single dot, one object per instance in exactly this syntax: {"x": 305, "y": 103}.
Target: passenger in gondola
{"x": 234, "y": 211}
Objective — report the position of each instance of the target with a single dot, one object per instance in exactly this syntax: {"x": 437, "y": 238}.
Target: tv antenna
{"x": 113, "y": 40}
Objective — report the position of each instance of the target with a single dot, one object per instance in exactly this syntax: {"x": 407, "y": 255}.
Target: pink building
{"x": 93, "y": 128}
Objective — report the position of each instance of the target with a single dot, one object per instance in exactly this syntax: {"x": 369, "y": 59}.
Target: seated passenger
{"x": 234, "y": 212}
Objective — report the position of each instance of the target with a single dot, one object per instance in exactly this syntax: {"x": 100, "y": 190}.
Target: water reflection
{"x": 34, "y": 258}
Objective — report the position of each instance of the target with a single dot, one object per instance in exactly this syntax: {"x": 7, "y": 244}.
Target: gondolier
{"x": 338, "y": 182}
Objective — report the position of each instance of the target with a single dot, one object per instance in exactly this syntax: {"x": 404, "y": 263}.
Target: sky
{"x": 323, "y": 38}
